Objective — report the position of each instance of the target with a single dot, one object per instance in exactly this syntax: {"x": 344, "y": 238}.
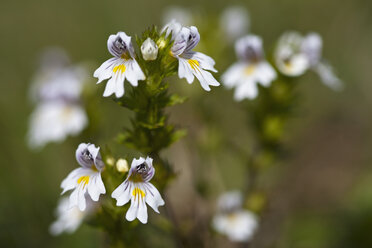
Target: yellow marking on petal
{"x": 121, "y": 68}
{"x": 66, "y": 113}
{"x": 138, "y": 192}
{"x": 84, "y": 180}
{"x": 194, "y": 64}
{"x": 232, "y": 217}
{"x": 249, "y": 70}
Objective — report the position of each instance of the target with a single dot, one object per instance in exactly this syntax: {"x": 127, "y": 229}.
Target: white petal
{"x": 133, "y": 209}
{"x": 115, "y": 85}
{"x": 134, "y": 72}
{"x": 153, "y": 197}
{"x": 142, "y": 211}
{"x": 247, "y": 89}
{"x": 105, "y": 70}
{"x": 138, "y": 207}
{"x": 81, "y": 197}
{"x": 70, "y": 181}
{"x": 265, "y": 74}
{"x": 233, "y": 74}
{"x": 122, "y": 193}
{"x": 184, "y": 70}
{"x": 96, "y": 186}
{"x": 74, "y": 198}
{"x": 205, "y": 61}
{"x": 206, "y": 78}
{"x": 328, "y": 77}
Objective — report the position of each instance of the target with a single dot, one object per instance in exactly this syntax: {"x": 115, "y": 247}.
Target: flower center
{"x": 121, "y": 68}
{"x": 249, "y": 70}
{"x": 194, "y": 64}
{"x": 84, "y": 180}
{"x": 137, "y": 192}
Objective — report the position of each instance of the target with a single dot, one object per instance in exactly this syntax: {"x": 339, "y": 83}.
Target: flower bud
{"x": 149, "y": 49}
{"x": 110, "y": 161}
{"x": 122, "y": 165}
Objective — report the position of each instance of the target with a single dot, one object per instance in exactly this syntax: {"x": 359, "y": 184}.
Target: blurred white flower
{"x": 296, "y": 54}
{"x": 250, "y": 70}
{"x": 235, "y": 22}
{"x": 149, "y": 49}
{"x": 236, "y": 223}
{"x": 122, "y": 66}
{"x": 191, "y": 64}
{"x": 86, "y": 180}
{"x": 53, "y": 121}
{"x": 56, "y": 89}
{"x": 139, "y": 190}
{"x": 69, "y": 219}
{"x": 179, "y": 14}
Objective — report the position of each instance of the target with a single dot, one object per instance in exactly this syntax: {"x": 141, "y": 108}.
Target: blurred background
{"x": 321, "y": 196}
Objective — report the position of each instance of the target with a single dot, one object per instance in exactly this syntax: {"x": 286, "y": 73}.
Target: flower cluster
{"x": 87, "y": 186}
{"x": 57, "y": 89}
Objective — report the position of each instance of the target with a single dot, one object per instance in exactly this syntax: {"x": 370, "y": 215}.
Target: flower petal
{"x": 327, "y": 76}
{"x": 247, "y": 89}
{"x": 233, "y": 74}
{"x": 105, "y": 70}
{"x": 70, "y": 181}
{"x": 134, "y": 72}
{"x": 123, "y": 193}
{"x": 205, "y": 61}
{"x": 265, "y": 74}
{"x": 153, "y": 197}
{"x": 96, "y": 186}
{"x": 184, "y": 70}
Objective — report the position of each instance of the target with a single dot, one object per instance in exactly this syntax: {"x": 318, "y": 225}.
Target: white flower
{"x": 250, "y": 70}
{"x": 179, "y": 14}
{"x": 69, "y": 219}
{"x": 122, "y": 66}
{"x": 191, "y": 63}
{"x": 86, "y": 180}
{"x": 289, "y": 57}
{"x": 58, "y": 83}
{"x": 296, "y": 54}
{"x": 235, "y": 22}
{"x": 56, "y": 88}
{"x": 238, "y": 224}
{"x": 54, "y": 120}
{"x": 149, "y": 49}
{"x": 139, "y": 190}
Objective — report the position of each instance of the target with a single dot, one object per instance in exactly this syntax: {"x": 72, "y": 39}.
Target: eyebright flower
{"x": 149, "y": 49}
{"x": 86, "y": 180}
{"x": 122, "y": 66}
{"x": 250, "y": 70}
{"x": 191, "y": 63}
{"x": 235, "y": 22}
{"x": 53, "y": 121}
{"x": 69, "y": 219}
{"x": 139, "y": 190}
{"x": 296, "y": 54}
{"x": 238, "y": 224}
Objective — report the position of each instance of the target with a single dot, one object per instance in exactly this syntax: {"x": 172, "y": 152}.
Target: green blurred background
{"x": 322, "y": 195}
